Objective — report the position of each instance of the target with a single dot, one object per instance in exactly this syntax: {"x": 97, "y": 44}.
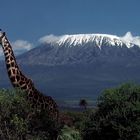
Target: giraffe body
{"x": 19, "y": 80}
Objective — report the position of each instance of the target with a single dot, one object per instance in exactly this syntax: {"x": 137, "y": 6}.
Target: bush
{"x": 117, "y": 116}
{"x": 68, "y": 133}
{"x": 18, "y": 120}
{"x": 79, "y": 118}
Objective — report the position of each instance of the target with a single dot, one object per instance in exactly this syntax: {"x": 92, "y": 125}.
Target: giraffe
{"x": 19, "y": 80}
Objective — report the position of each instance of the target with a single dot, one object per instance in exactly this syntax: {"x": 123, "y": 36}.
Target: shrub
{"x": 68, "y": 133}
{"x": 18, "y": 120}
{"x": 78, "y": 118}
{"x": 117, "y": 116}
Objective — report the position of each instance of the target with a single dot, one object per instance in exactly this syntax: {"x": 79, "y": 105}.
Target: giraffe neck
{"x": 13, "y": 70}
{"x": 24, "y": 83}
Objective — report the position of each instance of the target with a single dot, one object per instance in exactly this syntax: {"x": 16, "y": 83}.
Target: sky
{"x": 26, "y": 21}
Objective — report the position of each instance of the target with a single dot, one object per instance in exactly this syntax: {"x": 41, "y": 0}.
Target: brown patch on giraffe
{"x": 30, "y": 94}
{"x": 36, "y": 96}
{"x": 8, "y": 61}
{"x": 9, "y": 72}
{"x": 7, "y": 58}
{"x": 17, "y": 78}
{"x": 12, "y": 64}
{"x": 11, "y": 58}
{"x": 8, "y": 65}
{"x": 24, "y": 86}
{"x": 45, "y": 105}
{"x": 29, "y": 82}
{"x": 22, "y": 83}
{"x": 42, "y": 105}
{"x": 5, "y": 40}
{"x": 5, "y": 45}
{"x": 13, "y": 79}
{"x": 6, "y": 50}
{"x": 40, "y": 99}
{"x": 14, "y": 71}
{"x": 9, "y": 51}
{"x": 34, "y": 101}
{"x": 6, "y": 53}
{"x": 22, "y": 77}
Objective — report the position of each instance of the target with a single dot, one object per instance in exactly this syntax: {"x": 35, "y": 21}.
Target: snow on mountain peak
{"x": 79, "y": 39}
{"x": 98, "y": 39}
{"x": 129, "y": 38}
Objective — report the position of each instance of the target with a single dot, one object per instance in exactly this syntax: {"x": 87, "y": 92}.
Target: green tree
{"x": 117, "y": 116}
{"x": 18, "y": 120}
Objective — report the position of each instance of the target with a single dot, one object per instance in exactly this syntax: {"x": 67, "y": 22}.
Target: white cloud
{"x": 20, "y": 46}
{"x": 49, "y": 39}
{"x": 128, "y": 37}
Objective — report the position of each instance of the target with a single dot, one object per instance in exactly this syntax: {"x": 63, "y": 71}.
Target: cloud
{"x": 49, "y": 38}
{"x": 128, "y": 37}
{"x": 21, "y": 46}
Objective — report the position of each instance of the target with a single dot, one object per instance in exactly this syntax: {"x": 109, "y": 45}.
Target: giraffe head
{"x": 2, "y": 34}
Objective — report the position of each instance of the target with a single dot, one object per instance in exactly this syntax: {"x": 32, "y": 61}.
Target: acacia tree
{"x": 83, "y": 103}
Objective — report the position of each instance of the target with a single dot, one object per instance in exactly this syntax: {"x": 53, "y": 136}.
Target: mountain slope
{"x": 80, "y": 49}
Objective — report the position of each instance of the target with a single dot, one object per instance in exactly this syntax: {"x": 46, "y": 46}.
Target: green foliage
{"x": 18, "y": 120}
{"x": 68, "y": 133}
{"x": 79, "y": 118}
{"x": 117, "y": 116}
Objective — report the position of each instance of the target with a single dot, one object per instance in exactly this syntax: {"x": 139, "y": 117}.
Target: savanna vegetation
{"x": 117, "y": 117}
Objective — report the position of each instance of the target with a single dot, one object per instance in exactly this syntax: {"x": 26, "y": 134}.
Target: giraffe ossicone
{"x": 19, "y": 80}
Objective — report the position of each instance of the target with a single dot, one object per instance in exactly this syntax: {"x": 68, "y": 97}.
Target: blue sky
{"x": 29, "y": 20}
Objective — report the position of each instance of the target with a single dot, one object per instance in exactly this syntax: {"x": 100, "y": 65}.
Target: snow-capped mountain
{"x": 82, "y": 39}
{"x": 79, "y": 48}
{"x": 80, "y": 66}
